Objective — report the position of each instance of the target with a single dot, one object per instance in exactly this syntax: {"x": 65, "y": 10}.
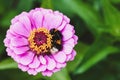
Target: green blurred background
{"x": 97, "y": 24}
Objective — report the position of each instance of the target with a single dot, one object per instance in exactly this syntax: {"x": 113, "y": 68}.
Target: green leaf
{"x": 96, "y": 58}
{"x": 7, "y": 18}
{"x": 62, "y": 7}
{"x": 24, "y": 5}
{"x": 47, "y": 4}
{"x": 1, "y": 45}
{"x": 96, "y": 53}
{"x": 88, "y": 14}
{"x": 61, "y": 75}
{"x": 16, "y": 74}
{"x": 7, "y": 64}
{"x": 1, "y": 48}
{"x": 116, "y": 1}
{"x": 112, "y": 17}
{"x": 1, "y": 8}
{"x": 80, "y": 50}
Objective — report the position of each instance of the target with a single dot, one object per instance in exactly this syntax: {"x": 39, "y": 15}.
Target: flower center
{"x": 40, "y": 40}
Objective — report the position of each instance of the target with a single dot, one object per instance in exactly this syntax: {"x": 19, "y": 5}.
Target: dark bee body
{"x": 56, "y": 39}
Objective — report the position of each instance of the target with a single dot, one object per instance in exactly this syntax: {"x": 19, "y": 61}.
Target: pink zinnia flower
{"x": 41, "y": 40}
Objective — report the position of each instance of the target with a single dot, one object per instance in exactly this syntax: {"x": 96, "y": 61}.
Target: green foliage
{"x": 112, "y": 17}
{"x": 47, "y": 4}
{"x": 61, "y": 75}
{"x": 8, "y": 64}
{"x": 97, "y": 24}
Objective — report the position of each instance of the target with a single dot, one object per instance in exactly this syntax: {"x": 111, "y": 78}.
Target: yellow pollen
{"x": 45, "y": 47}
{"x": 58, "y": 41}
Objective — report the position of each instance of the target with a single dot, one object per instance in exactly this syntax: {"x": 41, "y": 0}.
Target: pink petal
{"x": 51, "y": 64}
{"x": 37, "y": 9}
{"x": 42, "y": 59}
{"x": 14, "y": 20}
{"x": 67, "y": 32}
{"x": 38, "y": 19}
{"x": 41, "y": 68}
{"x": 10, "y": 52}
{"x": 57, "y": 12}
{"x": 20, "y": 50}
{"x": 67, "y": 48}
{"x": 75, "y": 38}
{"x": 31, "y": 19}
{"x": 9, "y": 34}
{"x": 27, "y": 58}
{"x": 32, "y": 72}
{"x": 60, "y": 57}
{"x": 26, "y": 22}
{"x": 47, "y": 73}
{"x": 62, "y": 25}
{"x": 23, "y": 67}
{"x": 73, "y": 55}
{"x": 70, "y": 42}
{"x": 56, "y": 70}
{"x": 35, "y": 63}
{"x": 13, "y": 55}
{"x": 69, "y": 57}
{"x": 56, "y": 20}
{"x": 21, "y": 41}
{"x": 23, "y": 14}
{"x": 66, "y": 19}
{"x": 11, "y": 46}
{"x": 19, "y": 29}
{"x": 59, "y": 65}
{"x": 45, "y": 11}
{"x": 16, "y": 57}
{"x": 6, "y": 42}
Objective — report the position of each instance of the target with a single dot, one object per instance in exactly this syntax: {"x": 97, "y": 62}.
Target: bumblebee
{"x": 56, "y": 40}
